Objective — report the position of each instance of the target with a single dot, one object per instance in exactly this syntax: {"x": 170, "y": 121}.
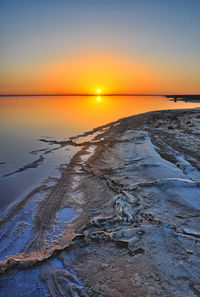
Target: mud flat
{"x": 123, "y": 219}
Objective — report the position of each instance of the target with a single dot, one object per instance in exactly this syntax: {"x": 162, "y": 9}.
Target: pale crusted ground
{"x": 136, "y": 229}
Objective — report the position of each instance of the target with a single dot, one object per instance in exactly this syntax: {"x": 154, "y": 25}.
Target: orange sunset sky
{"x": 51, "y": 47}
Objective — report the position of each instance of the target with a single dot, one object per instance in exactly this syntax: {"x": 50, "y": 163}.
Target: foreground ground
{"x": 123, "y": 219}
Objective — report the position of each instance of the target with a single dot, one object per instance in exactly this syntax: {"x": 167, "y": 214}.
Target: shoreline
{"x": 134, "y": 187}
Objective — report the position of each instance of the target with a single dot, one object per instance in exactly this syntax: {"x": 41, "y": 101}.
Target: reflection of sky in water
{"x": 19, "y": 184}
{"x": 16, "y": 147}
{"x": 25, "y": 120}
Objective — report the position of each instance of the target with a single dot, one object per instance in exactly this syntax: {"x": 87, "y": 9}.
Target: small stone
{"x": 189, "y": 251}
{"x": 140, "y": 232}
{"x": 191, "y": 232}
{"x": 151, "y": 275}
{"x": 105, "y": 265}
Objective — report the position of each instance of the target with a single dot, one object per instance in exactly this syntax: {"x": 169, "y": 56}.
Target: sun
{"x": 98, "y": 91}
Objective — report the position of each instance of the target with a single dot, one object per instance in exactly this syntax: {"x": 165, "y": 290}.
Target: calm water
{"x": 24, "y": 120}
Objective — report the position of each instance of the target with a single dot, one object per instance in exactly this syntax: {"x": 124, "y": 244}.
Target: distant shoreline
{"x": 176, "y": 97}
{"x": 76, "y": 95}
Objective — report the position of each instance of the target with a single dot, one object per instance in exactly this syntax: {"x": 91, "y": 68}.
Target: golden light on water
{"x": 87, "y": 112}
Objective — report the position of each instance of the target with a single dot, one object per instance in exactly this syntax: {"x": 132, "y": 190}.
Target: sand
{"x": 123, "y": 219}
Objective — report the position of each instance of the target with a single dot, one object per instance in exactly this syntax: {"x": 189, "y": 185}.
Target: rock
{"x": 124, "y": 235}
{"x": 191, "y": 232}
{"x": 136, "y": 251}
{"x": 189, "y": 252}
{"x": 132, "y": 242}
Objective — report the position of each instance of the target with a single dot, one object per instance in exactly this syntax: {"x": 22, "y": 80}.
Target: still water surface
{"x": 24, "y": 120}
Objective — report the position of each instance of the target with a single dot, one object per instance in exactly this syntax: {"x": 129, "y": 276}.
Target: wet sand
{"x": 123, "y": 219}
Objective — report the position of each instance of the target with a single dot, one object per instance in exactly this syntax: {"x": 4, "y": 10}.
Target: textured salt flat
{"x": 122, "y": 220}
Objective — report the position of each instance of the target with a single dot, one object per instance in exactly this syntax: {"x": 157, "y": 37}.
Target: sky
{"x": 79, "y": 46}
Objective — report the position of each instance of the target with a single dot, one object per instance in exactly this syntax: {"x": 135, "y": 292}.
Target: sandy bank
{"x": 134, "y": 186}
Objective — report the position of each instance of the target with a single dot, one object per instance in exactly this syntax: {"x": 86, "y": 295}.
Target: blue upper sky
{"x": 161, "y": 32}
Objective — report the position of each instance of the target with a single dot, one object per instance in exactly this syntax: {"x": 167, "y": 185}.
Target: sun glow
{"x": 98, "y": 98}
{"x": 98, "y": 91}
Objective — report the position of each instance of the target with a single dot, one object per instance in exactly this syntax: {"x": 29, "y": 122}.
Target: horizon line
{"x": 94, "y": 95}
